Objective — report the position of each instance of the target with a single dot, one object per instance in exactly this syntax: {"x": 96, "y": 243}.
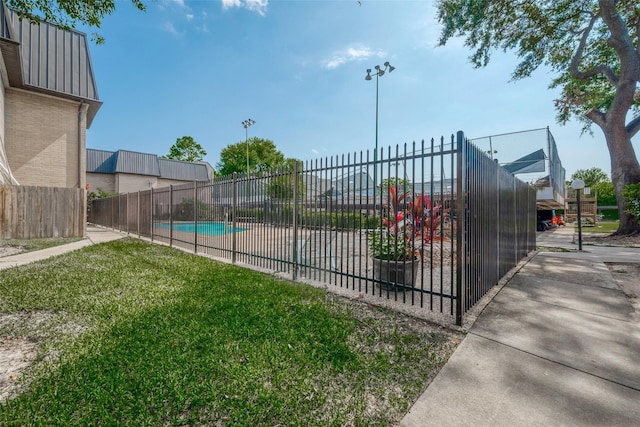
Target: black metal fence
{"x": 457, "y": 221}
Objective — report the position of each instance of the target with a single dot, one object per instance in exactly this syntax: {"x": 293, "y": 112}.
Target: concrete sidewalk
{"x": 94, "y": 235}
{"x": 558, "y": 345}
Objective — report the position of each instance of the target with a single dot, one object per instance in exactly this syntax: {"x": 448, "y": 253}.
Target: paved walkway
{"x": 558, "y": 345}
{"x": 94, "y": 235}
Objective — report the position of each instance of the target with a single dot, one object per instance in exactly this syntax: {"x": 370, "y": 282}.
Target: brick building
{"x": 48, "y": 98}
{"x": 125, "y": 171}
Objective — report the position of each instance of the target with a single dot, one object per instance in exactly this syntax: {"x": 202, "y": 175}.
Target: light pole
{"x": 379, "y": 73}
{"x": 246, "y": 124}
{"x": 578, "y": 185}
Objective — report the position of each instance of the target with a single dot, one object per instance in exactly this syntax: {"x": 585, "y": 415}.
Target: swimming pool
{"x": 207, "y": 228}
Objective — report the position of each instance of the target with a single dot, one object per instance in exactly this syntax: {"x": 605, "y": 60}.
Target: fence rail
{"x": 28, "y": 212}
{"x": 463, "y": 219}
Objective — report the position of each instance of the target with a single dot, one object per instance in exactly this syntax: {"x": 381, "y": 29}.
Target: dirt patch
{"x": 628, "y": 277}
{"x": 9, "y": 250}
{"x": 16, "y": 355}
{"x": 21, "y": 337}
{"x": 630, "y": 241}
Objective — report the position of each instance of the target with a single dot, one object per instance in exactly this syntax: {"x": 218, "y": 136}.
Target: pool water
{"x": 204, "y": 228}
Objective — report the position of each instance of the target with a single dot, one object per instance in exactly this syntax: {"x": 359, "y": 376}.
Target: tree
{"x": 605, "y": 193}
{"x": 263, "y": 155}
{"x": 395, "y": 182}
{"x": 98, "y": 194}
{"x": 69, "y": 13}
{"x": 591, "y": 176}
{"x": 186, "y": 149}
{"x": 598, "y": 181}
{"x": 632, "y": 193}
{"x": 592, "y": 47}
{"x": 281, "y": 184}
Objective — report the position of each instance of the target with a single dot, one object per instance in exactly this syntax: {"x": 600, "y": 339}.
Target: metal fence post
{"x": 138, "y": 214}
{"x": 126, "y": 215}
{"x": 517, "y": 221}
{"x": 461, "y": 175}
{"x": 233, "y": 219}
{"x": 294, "y": 246}
{"x": 171, "y": 215}
{"x": 195, "y": 216}
{"x": 152, "y": 207}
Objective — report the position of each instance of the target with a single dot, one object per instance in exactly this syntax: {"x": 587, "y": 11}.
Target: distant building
{"x": 125, "y": 171}
{"x": 48, "y": 98}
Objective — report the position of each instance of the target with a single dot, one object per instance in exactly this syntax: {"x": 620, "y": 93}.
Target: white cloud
{"x": 167, "y": 3}
{"x": 315, "y": 151}
{"x": 170, "y": 6}
{"x": 228, "y": 4}
{"x": 350, "y": 54}
{"x": 258, "y": 6}
{"x": 170, "y": 28}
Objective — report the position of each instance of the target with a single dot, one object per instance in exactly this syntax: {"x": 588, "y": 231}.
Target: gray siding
{"x": 100, "y": 161}
{"x": 137, "y": 163}
{"x": 184, "y": 171}
{"x": 55, "y": 59}
{"x": 5, "y": 31}
{"x": 134, "y": 163}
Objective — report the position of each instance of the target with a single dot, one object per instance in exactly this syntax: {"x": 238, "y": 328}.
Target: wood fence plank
{"x": 28, "y": 212}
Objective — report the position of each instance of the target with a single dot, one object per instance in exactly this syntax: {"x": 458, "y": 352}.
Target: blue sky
{"x": 297, "y": 68}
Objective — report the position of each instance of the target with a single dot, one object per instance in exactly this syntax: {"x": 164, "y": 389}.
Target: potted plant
{"x": 412, "y": 224}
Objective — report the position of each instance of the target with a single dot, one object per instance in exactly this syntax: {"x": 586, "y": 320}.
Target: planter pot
{"x": 394, "y": 274}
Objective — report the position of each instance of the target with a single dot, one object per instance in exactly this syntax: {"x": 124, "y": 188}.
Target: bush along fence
{"x": 442, "y": 225}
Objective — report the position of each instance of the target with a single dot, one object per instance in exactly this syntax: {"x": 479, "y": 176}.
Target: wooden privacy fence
{"x": 41, "y": 212}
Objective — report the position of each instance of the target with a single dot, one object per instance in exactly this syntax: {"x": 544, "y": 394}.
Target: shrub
{"x": 338, "y": 220}
{"x": 632, "y": 193}
{"x": 183, "y": 211}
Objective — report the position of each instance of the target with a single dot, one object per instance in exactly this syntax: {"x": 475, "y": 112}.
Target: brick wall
{"x": 129, "y": 183}
{"x": 105, "y": 181}
{"x": 41, "y": 139}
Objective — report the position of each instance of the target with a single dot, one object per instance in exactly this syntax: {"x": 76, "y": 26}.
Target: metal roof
{"x": 185, "y": 171}
{"x": 135, "y": 163}
{"x": 101, "y": 161}
{"x": 49, "y": 59}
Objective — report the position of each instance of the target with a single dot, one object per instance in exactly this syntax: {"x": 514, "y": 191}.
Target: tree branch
{"x": 638, "y": 39}
{"x": 596, "y": 116}
{"x": 633, "y": 127}
{"x": 577, "y": 57}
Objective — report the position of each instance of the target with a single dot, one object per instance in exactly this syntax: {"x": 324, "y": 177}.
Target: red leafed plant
{"x": 411, "y": 223}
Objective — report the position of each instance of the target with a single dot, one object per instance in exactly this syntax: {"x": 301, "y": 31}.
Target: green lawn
{"x": 607, "y": 227}
{"x": 136, "y": 334}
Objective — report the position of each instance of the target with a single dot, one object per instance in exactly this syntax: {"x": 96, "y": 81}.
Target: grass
{"x": 138, "y": 334}
{"x": 607, "y": 227}
{"x": 37, "y": 244}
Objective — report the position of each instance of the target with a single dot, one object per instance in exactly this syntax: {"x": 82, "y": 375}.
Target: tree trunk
{"x": 625, "y": 170}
